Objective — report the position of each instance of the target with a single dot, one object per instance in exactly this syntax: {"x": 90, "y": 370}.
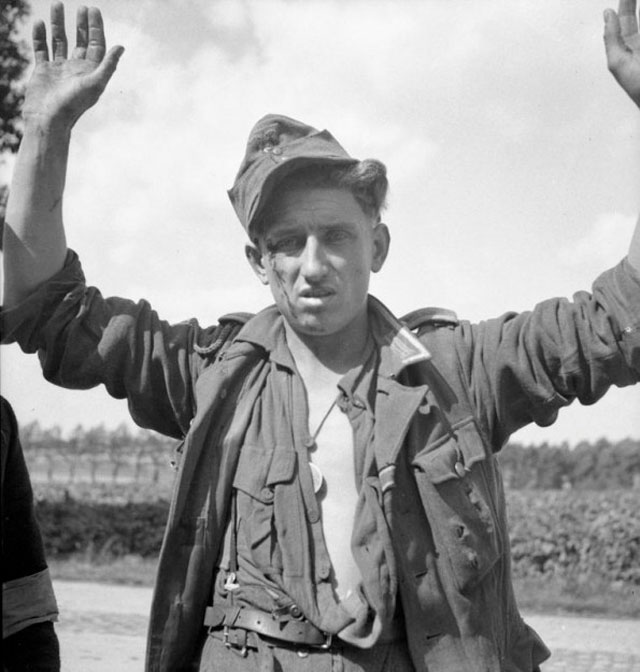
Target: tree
{"x": 96, "y": 441}
{"x": 13, "y": 63}
{"x": 119, "y": 444}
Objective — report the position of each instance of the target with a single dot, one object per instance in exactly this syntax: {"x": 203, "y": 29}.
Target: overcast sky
{"x": 513, "y": 157}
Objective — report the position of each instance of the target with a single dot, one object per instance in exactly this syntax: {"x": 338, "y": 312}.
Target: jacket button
{"x": 460, "y": 530}
{"x": 324, "y": 570}
{"x": 267, "y": 493}
{"x": 295, "y": 612}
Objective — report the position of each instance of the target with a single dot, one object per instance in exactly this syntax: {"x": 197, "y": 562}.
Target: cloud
{"x": 602, "y": 244}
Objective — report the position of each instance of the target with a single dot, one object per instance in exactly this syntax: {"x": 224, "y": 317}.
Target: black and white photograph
{"x": 320, "y": 335}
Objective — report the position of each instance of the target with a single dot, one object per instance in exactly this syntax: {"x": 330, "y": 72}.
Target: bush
{"x": 571, "y": 535}
{"x": 72, "y": 526}
{"x": 575, "y": 534}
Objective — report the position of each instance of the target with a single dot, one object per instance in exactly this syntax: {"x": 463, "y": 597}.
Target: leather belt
{"x": 292, "y": 631}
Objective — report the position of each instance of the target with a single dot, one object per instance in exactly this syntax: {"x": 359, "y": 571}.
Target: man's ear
{"x": 254, "y": 257}
{"x": 381, "y": 244}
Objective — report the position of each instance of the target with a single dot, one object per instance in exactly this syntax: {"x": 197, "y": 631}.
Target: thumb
{"x": 102, "y": 74}
{"x": 614, "y": 45}
{"x": 111, "y": 60}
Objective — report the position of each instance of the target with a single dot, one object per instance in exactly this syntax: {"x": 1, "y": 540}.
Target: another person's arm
{"x": 60, "y": 90}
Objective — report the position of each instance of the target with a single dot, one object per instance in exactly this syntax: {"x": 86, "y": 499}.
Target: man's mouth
{"x": 316, "y": 293}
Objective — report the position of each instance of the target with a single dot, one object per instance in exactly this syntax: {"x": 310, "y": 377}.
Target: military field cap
{"x": 277, "y": 147}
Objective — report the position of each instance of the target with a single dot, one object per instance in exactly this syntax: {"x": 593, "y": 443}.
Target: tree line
{"x": 599, "y": 465}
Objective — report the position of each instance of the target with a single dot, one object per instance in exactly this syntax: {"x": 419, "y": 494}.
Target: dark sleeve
{"x": 35, "y": 648}
{"x": 22, "y": 546}
{"x": 84, "y": 340}
{"x": 524, "y": 367}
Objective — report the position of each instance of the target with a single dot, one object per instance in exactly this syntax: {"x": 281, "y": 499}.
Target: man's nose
{"x": 314, "y": 259}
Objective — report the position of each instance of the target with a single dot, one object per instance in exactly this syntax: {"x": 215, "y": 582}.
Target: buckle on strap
{"x": 241, "y": 651}
{"x": 328, "y": 642}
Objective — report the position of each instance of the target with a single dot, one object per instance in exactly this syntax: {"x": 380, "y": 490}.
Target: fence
{"x": 53, "y": 467}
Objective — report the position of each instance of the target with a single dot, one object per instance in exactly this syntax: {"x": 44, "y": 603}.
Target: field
{"x": 573, "y": 550}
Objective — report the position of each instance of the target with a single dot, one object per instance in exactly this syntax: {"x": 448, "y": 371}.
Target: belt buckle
{"x": 225, "y": 640}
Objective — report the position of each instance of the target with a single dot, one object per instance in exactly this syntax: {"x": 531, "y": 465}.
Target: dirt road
{"x": 102, "y": 628}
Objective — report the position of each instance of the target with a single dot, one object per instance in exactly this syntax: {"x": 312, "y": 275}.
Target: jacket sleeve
{"x": 84, "y": 340}
{"x": 523, "y": 368}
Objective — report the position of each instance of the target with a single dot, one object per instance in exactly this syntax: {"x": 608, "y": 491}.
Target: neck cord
{"x": 324, "y": 419}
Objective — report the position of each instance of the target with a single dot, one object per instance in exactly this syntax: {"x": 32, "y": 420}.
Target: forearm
{"x": 34, "y": 238}
{"x": 634, "y": 248}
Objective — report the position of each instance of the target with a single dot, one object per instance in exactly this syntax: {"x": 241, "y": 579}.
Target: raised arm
{"x": 622, "y": 44}
{"x": 60, "y": 90}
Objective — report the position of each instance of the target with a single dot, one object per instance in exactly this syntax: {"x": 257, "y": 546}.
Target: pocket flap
{"x": 454, "y": 457}
{"x": 282, "y": 466}
{"x": 261, "y": 467}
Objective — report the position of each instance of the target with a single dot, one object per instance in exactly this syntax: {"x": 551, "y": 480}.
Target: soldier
{"x": 338, "y": 503}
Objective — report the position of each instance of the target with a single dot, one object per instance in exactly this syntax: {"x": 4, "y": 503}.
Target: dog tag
{"x": 460, "y": 469}
{"x": 316, "y": 477}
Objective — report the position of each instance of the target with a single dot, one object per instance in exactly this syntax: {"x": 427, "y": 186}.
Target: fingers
{"x": 82, "y": 33}
{"x": 96, "y": 45}
{"x": 58, "y": 35}
{"x": 614, "y": 44}
{"x": 39, "y": 38}
{"x": 628, "y": 18}
{"x": 90, "y": 41}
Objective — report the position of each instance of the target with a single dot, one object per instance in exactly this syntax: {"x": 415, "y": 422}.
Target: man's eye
{"x": 336, "y": 236}
{"x": 289, "y": 244}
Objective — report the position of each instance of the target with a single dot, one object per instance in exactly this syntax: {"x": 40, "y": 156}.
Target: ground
{"x": 102, "y": 628}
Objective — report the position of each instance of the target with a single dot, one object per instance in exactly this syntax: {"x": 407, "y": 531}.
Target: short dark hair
{"x": 366, "y": 180}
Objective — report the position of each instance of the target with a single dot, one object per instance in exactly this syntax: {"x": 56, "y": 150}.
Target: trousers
{"x": 265, "y": 657}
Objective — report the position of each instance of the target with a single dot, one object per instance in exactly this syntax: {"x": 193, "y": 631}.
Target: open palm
{"x": 62, "y": 88}
{"x": 622, "y": 42}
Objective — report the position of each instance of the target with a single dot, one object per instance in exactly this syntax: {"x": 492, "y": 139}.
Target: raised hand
{"x": 61, "y": 89}
{"x": 622, "y": 44}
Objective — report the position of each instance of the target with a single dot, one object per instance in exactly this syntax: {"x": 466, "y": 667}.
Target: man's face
{"x": 316, "y": 251}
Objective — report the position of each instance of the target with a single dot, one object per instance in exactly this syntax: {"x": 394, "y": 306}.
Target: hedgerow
{"x": 575, "y": 534}
{"x": 566, "y": 534}
{"x": 98, "y": 528}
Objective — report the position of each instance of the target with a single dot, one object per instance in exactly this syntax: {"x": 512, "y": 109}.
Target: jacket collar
{"x": 398, "y": 347}
{"x": 266, "y": 330}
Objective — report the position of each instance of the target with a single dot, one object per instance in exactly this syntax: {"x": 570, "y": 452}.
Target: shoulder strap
{"x": 443, "y": 369}
{"x": 218, "y": 338}
{"x": 430, "y": 317}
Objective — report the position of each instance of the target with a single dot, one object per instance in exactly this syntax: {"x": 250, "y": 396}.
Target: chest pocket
{"x": 260, "y": 470}
{"x": 457, "y": 484}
